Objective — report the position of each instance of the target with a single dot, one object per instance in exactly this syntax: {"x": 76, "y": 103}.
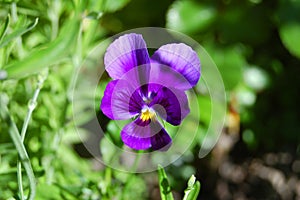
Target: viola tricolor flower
{"x": 148, "y": 89}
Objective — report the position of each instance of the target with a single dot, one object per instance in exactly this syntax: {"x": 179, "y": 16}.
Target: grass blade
{"x": 192, "y": 191}
{"x": 4, "y": 27}
{"x": 6, "y": 39}
{"x": 165, "y": 189}
{"x": 50, "y": 54}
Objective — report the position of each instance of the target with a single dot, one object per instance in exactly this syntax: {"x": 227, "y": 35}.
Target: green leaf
{"x": 46, "y": 191}
{"x": 49, "y": 54}
{"x": 3, "y": 28}
{"x": 114, "y": 5}
{"x": 289, "y": 34}
{"x": 165, "y": 188}
{"x": 17, "y": 33}
{"x": 230, "y": 63}
{"x": 94, "y": 15}
{"x": 189, "y": 16}
{"x": 135, "y": 188}
{"x": 192, "y": 191}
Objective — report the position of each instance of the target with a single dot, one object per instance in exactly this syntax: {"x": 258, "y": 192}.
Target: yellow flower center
{"x": 147, "y": 114}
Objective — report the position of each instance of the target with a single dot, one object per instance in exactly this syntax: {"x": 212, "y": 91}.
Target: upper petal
{"x": 171, "y": 104}
{"x": 182, "y": 58}
{"x": 168, "y": 77}
{"x": 125, "y": 53}
{"x": 120, "y": 100}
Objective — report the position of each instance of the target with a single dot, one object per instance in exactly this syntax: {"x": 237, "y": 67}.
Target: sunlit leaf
{"x": 256, "y": 78}
{"x": 135, "y": 188}
{"x": 94, "y": 15}
{"x": 48, "y": 55}
{"x": 189, "y": 16}
{"x": 114, "y": 5}
{"x": 3, "y": 28}
{"x": 6, "y": 39}
{"x": 164, "y": 186}
{"x": 230, "y": 63}
{"x": 46, "y": 191}
{"x": 192, "y": 191}
{"x": 289, "y": 34}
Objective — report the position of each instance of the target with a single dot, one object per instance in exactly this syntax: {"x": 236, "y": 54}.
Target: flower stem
{"x": 31, "y": 106}
{"x": 136, "y": 161}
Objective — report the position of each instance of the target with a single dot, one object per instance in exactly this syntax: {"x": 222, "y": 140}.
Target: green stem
{"x": 19, "y": 166}
{"x": 132, "y": 175}
{"x": 76, "y": 61}
{"x": 136, "y": 161}
{"x": 14, "y": 14}
{"x": 20, "y": 181}
{"x": 31, "y": 106}
{"x": 15, "y": 136}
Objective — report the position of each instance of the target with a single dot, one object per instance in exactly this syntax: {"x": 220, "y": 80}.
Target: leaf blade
{"x": 6, "y": 39}
{"x": 3, "y": 29}
{"x": 193, "y": 189}
{"x": 164, "y": 187}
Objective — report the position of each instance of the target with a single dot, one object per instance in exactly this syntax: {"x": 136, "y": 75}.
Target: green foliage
{"x": 18, "y": 32}
{"x": 189, "y": 16}
{"x": 164, "y": 186}
{"x": 289, "y": 34}
{"x": 3, "y": 28}
{"x": 46, "y": 56}
{"x": 192, "y": 191}
{"x": 112, "y": 6}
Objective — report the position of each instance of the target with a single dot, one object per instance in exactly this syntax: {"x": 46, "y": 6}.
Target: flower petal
{"x": 182, "y": 58}
{"x": 161, "y": 141}
{"x": 140, "y": 135}
{"x": 125, "y": 53}
{"x": 168, "y": 77}
{"x": 120, "y": 100}
{"x": 171, "y": 104}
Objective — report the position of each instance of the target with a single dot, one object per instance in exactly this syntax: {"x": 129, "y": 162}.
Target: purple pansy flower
{"x": 148, "y": 89}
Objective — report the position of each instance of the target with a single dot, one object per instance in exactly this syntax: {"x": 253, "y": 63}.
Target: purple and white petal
{"x": 125, "y": 53}
{"x": 182, "y": 58}
{"x": 141, "y": 135}
{"x": 168, "y": 77}
{"x": 137, "y": 134}
{"x": 171, "y": 104}
{"x": 120, "y": 101}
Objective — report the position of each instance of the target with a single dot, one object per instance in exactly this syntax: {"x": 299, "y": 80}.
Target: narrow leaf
{"x": 18, "y": 33}
{"x": 165, "y": 189}
{"x": 192, "y": 191}
{"x": 49, "y": 54}
{"x": 3, "y": 28}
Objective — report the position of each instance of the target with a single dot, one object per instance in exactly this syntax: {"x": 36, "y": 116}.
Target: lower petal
{"x": 137, "y": 134}
{"x": 140, "y": 135}
{"x": 161, "y": 140}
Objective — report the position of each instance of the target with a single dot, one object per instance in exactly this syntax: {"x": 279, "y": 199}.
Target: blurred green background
{"x": 255, "y": 45}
